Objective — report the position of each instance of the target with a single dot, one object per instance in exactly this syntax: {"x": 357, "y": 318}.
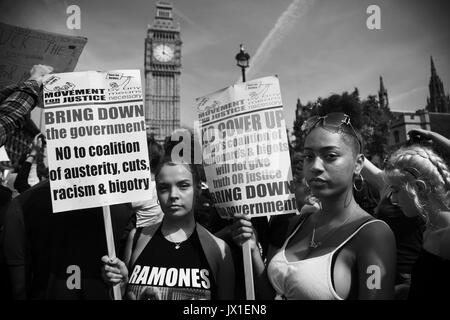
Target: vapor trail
{"x": 185, "y": 18}
{"x": 279, "y": 31}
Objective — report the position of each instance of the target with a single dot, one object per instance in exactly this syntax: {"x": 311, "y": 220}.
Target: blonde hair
{"x": 416, "y": 163}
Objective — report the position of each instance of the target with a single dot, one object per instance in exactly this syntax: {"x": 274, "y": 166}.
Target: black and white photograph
{"x": 238, "y": 153}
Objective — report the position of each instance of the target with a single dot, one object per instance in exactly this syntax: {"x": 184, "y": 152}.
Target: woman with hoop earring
{"x": 338, "y": 252}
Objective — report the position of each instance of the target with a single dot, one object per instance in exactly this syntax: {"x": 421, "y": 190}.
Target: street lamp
{"x": 242, "y": 59}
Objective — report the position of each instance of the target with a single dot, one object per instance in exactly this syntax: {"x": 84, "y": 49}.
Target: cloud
{"x": 195, "y": 37}
{"x": 280, "y": 30}
{"x": 184, "y": 17}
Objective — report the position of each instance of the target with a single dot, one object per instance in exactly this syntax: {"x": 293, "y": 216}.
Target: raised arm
{"x": 441, "y": 141}
{"x": 373, "y": 175}
{"x": 15, "y": 108}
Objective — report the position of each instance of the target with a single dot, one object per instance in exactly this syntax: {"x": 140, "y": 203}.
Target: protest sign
{"x": 20, "y": 49}
{"x": 245, "y": 149}
{"x": 246, "y": 154}
{"x": 96, "y": 139}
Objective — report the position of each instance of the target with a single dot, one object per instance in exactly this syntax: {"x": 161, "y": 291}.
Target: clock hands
{"x": 164, "y": 53}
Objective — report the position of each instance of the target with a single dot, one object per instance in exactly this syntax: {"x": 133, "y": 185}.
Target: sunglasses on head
{"x": 334, "y": 120}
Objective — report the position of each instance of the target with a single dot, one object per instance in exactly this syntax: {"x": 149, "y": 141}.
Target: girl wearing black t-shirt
{"x": 176, "y": 259}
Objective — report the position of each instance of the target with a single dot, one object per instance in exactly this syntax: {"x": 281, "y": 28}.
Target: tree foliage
{"x": 366, "y": 116}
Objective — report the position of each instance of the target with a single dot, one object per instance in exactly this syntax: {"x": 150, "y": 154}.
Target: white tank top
{"x": 307, "y": 279}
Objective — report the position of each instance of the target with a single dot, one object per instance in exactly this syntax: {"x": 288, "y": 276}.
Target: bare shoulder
{"x": 372, "y": 231}
{"x": 376, "y": 234}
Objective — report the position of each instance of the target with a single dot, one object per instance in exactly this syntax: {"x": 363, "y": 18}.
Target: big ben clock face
{"x": 163, "y": 53}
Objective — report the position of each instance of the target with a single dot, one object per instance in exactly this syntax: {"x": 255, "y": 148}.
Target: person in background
{"x": 420, "y": 184}
{"x": 408, "y": 217}
{"x": 5, "y": 192}
{"x": 149, "y": 212}
{"x": 55, "y": 255}
{"x": 407, "y": 230}
{"x": 17, "y": 101}
{"x": 33, "y": 167}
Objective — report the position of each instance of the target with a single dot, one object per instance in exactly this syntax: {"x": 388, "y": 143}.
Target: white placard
{"x": 245, "y": 149}
{"x": 96, "y": 139}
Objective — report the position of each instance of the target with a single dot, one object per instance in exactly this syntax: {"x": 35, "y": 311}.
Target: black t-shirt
{"x": 407, "y": 231}
{"x": 163, "y": 272}
{"x": 430, "y": 278}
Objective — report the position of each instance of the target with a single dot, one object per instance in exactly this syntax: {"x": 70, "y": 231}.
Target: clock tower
{"x": 162, "y": 73}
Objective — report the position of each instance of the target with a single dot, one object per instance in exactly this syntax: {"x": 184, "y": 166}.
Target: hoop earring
{"x": 362, "y": 184}
{"x": 306, "y": 183}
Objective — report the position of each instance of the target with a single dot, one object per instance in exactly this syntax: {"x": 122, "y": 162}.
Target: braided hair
{"x": 416, "y": 163}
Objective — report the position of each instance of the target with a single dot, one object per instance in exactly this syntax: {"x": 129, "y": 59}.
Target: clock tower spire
{"x": 162, "y": 73}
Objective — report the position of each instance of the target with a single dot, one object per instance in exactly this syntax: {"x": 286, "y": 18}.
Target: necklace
{"x": 178, "y": 243}
{"x": 313, "y": 244}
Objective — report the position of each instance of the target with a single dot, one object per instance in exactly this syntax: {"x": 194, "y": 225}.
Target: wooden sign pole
{"x": 110, "y": 243}
{"x": 248, "y": 271}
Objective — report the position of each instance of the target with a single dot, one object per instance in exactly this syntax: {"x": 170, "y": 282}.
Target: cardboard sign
{"x": 96, "y": 139}
{"x": 21, "y": 48}
{"x": 245, "y": 149}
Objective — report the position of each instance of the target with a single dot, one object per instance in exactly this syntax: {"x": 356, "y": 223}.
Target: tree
{"x": 366, "y": 116}
{"x": 376, "y": 127}
{"x": 346, "y": 103}
{"x": 309, "y": 110}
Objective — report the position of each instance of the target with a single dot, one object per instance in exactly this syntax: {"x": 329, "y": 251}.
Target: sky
{"x": 315, "y": 47}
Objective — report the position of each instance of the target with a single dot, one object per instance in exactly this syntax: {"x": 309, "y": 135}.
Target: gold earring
{"x": 306, "y": 183}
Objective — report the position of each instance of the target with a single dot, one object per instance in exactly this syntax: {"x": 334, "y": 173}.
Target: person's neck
{"x": 338, "y": 208}
{"x": 178, "y": 226}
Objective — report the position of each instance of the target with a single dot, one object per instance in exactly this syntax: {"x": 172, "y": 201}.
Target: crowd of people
{"x": 177, "y": 247}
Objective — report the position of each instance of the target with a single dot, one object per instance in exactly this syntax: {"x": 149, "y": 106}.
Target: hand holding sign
{"x": 242, "y": 230}
{"x": 38, "y": 72}
{"x": 114, "y": 271}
